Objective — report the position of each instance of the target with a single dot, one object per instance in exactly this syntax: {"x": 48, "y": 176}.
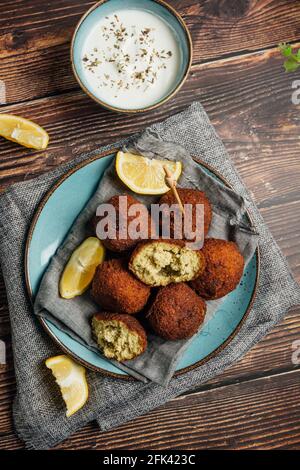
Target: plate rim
{"x": 43, "y": 323}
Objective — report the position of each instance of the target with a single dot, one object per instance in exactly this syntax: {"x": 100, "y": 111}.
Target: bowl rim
{"x": 163, "y": 100}
{"x": 64, "y": 348}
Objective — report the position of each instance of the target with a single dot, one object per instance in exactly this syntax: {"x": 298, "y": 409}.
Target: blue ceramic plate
{"x": 155, "y": 7}
{"x": 52, "y": 223}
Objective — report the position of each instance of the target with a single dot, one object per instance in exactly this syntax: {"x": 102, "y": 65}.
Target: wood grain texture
{"x": 270, "y": 356}
{"x": 35, "y": 44}
{"x": 257, "y": 414}
{"x": 35, "y": 25}
{"x": 221, "y": 28}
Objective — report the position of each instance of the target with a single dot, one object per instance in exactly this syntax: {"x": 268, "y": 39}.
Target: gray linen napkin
{"x": 39, "y": 413}
{"x": 74, "y": 316}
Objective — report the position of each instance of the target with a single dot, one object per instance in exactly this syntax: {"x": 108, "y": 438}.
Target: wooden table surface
{"x": 238, "y": 76}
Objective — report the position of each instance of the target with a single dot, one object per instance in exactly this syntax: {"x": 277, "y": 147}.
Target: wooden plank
{"x": 218, "y": 28}
{"x": 4, "y": 317}
{"x": 283, "y": 221}
{"x": 35, "y": 25}
{"x": 35, "y": 45}
{"x": 37, "y": 73}
{"x": 267, "y": 164}
{"x": 221, "y": 28}
{"x": 263, "y": 128}
{"x": 280, "y": 206}
{"x": 7, "y": 389}
{"x": 256, "y": 414}
{"x": 272, "y": 355}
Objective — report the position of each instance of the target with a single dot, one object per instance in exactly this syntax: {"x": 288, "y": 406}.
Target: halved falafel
{"x": 223, "y": 271}
{"x": 116, "y": 289}
{"x": 161, "y": 262}
{"x": 187, "y": 196}
{"x": 123, "y": 241}
{"x": 177, "y": 312}
{"x": 119, "y": 336}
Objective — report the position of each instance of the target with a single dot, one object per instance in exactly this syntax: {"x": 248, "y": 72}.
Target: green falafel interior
{"x": 116, "y": 340}
{"x": 159, "y": 263}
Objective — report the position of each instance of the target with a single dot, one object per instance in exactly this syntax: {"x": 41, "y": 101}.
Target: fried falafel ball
{"x": 116, "y": 289}
{"x": 123, "y": 220}
{"x": 187, "y": 196}
{"x": 119, "y": 336}
{"x": 177, "y": 312}
{"x": 161, "y": 262}
{"x": 223, "y": 271}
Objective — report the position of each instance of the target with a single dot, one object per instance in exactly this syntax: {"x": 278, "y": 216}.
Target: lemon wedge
{"x": 23, "y": 132}
{"x": 71, "y": 380}
{"x": 145, "y": 176}
{"x": 81, "y": 267}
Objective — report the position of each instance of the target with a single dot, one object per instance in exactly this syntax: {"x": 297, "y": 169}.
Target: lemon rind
{"x": 147, "y": 191}
{"x": 83, "y": 382}
{"x": 31, "y": 124}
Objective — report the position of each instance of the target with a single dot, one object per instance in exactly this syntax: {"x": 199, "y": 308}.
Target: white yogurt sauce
{"x": 131, "y": 59}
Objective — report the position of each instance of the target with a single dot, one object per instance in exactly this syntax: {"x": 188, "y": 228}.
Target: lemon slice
{"x": 145, "y": 176}
{"x": 23, "y": 131}
{"x": 81, "y": 267}
{"x": 71, "y": 379}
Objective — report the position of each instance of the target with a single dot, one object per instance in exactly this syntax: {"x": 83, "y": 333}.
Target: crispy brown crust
{"x": 224, "y": 269}
{"x": 130, "y": 322}
{"x": 115, "y": 288}
{"x": 120, "y": 245}
{"x": 180, "y": 243}
{"x": 189, "y": 196}
{"x": 177, "y": 312}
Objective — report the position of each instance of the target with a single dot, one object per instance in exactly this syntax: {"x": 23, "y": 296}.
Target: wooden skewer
{"x": 171, "y": 183}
